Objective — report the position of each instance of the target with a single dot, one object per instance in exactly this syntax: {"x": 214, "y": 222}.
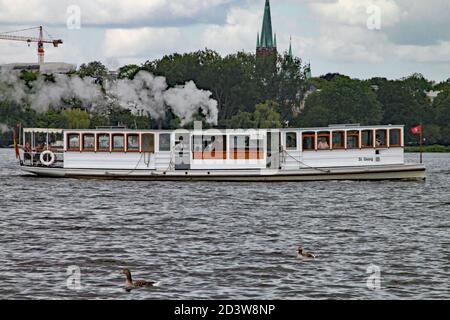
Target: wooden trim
{"x": 399, "y": 145}
{"x": 373, "y": 139}
{"x": 83, "y": 149}
{"x": 68, "y": 149}
{"x": 142, "y": 140}
{"x": 139, "y": 142}
{"x": 309, "y": 135}
{"x": 343, "y": 146}
{"x": 385, "y": 137}
{"x": 323, "y": 134}
{"x": 98, "y": 144}
{"x": 112, "y": 142}
{"x": 357, "y": 134}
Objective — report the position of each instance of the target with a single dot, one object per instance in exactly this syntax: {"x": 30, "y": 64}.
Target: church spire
{"x": 267, "y": 42}
{"x": 290, "y": 54}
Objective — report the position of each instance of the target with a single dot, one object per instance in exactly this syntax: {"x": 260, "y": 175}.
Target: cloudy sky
{"x": 361, "y": 38}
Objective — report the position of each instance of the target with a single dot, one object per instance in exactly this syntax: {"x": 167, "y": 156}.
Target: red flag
{"x": 416, "y": 129}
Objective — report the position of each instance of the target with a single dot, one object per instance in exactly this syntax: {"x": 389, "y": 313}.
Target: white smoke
{"x": 47, "y": 94}
{"x": 11, "y": 87}
{"x": 149, "y": 94}
{"x": 144, "y": 94}
{"x": 4, "y": 128}
{"x": 186, "y": 100}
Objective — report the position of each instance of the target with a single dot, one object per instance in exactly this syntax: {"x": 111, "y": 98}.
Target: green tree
{"x": 93, "y": 69}
{"x": 266, "y": 116}
{"x": 76, "y": 119}
{"x": 243, "y": 120}
{"x": 129, "y": 71}
{"x": 342, "y": 100}
{"x": 441, "y": 106}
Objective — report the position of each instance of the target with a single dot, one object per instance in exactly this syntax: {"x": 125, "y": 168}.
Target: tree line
{"x": 259, "y": 92}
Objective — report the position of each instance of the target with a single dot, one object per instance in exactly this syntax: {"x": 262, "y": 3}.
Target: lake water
{"x": 225, "y": 240}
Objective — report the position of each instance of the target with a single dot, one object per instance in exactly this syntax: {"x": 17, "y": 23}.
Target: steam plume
{"x": 144, "y": 94}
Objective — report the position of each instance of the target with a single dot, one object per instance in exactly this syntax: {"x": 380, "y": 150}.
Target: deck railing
{"x": 33, "y": 159}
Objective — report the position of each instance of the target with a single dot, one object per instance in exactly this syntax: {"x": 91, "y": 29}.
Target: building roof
{"x": 49, "y": 68}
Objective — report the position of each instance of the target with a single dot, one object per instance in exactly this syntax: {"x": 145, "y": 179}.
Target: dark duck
{"x": 130, "y": 284}
{"x": 303, "y": 255}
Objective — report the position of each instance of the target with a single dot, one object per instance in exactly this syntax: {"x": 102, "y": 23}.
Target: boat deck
{"x": 391, "y": 172}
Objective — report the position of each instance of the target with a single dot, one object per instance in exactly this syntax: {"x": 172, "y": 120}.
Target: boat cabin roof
{"x": 334, "y": 127}
{"x": 329, "y": 128}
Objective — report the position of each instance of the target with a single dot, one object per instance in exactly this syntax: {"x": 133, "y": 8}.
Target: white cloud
{"x": 106, "y": 12}
{"x": 122, "y": 43}
{"x": 439, "y": 53}
{"x": 344, "y": 36}
{"x": 354, "y": 12}
{"x": 347, "y": 44}
{"x": 238, "y": 33}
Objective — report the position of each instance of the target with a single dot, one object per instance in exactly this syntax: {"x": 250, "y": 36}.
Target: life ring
{"x": 47, "y": 158}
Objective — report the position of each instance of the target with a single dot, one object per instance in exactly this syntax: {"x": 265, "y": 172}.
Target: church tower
{"x": 266, "y": 44}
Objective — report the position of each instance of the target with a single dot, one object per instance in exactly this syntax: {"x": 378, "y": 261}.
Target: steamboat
{"x": 338, "y": 152}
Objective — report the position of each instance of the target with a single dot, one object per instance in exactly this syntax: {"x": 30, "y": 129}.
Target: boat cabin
{"x": 286, "y": 149}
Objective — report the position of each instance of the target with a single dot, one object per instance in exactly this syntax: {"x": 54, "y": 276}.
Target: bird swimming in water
{"x": 130, "y": 284}
{"x": 304, "y": 255}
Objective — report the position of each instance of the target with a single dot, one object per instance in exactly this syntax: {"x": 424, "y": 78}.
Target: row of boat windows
{"x": 353, "y": 139}
{"x": 117, "y": 142}
{"x": 146, "y": 142}
{"x": 324, "y": 140}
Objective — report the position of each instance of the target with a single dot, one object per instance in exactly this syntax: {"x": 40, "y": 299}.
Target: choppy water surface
{"x": 225, "y": 240}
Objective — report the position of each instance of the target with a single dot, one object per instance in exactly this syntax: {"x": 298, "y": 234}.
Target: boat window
{"x": 244, "y": 148}
{"x": 132, "y": 142}
{"x": 164, "y": 142}
{"x": 103, "y": 142}
{"x": 309, "y": 141}
{"x": 291, "y": 141}
{"x": 73, "y": 142}
{"x": 395, "y": 138}
{"x": 339, "y": 140}
{"x": 148, "y": 142}
{"x": 381, "y": 138}
{"x": 353, "y": 139}
{"x": 88, "y": 142}
{"x": 323, "y": 140}
{"x": 209, "y": 147}
{"x": 118, "y": 142}
{"x": 367, "y": 138}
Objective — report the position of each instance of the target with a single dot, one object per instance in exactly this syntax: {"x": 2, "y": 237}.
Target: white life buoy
{"x": 47, "y": 158}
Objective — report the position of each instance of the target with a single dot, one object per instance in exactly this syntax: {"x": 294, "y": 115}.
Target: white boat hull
{"x": 389, "y": 172}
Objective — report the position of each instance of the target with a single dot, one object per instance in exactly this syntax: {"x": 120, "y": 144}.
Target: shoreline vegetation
{"x": 436, "y": 148}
